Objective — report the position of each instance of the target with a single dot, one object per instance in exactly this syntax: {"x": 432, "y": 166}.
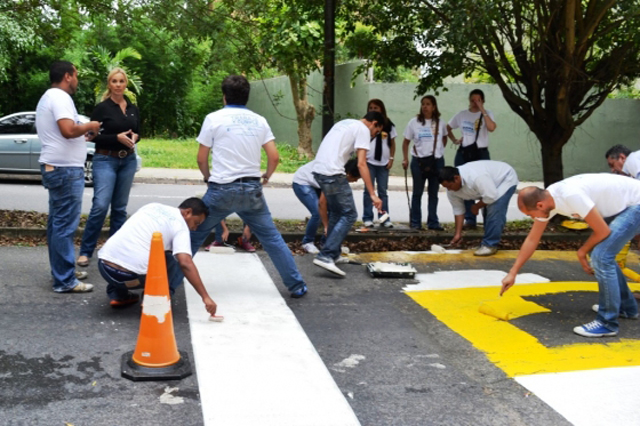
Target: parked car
{"x": 20, "y": 146}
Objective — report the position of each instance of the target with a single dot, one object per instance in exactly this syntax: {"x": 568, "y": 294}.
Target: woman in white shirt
{"x": 428, "y": 132}
{"x": 379, "y": 160}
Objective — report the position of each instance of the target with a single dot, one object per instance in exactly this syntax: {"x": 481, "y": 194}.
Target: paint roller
{"x": 503, "y": 309}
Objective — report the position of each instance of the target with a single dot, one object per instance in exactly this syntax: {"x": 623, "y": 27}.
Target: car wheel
{"x": 88, "y": 172}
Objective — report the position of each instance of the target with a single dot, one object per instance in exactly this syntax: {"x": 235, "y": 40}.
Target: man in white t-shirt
{"x": 124, "y": 259}
{"x": 476, "y": 123}
{"x": 234, "y": 136}
{"x": 492, "y": 183}
{"x": 62, "y": 158}
{"x": 343, "y": 139}
{"x": 623, "y": 162}
{"x": 595, "y": 198}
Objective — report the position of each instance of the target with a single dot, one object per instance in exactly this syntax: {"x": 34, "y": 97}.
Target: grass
{"x": 182, "y": 154}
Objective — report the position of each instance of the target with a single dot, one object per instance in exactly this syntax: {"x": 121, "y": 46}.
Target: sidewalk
{"x": 278, "y": 180}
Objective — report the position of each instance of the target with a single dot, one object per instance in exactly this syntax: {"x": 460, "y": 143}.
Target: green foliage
{"x": 102, "y": 62}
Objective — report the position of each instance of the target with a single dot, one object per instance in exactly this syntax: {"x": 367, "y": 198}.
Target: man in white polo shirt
{"x": 62, "y": 158}
{"x": 343, "y": 139}
{"x": 595, "y": 198}
{"x": 234, "y": 136}
{"x": 492, "y": 183}
{"x": 623, "y": 162}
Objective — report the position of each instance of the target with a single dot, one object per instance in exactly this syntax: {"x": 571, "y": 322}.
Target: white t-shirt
{"x": 609, "y": 193}
{"x": 235, "y": 135}
{"x": 422, "y": 137}
{"x": 632, "y": 165}
{"x": 484, "y": 179}
{"x": 467, "y": 121}
{"x": 343, "y": 139}
{"x": 386, "y": 151}
{"x": 54, "y": 105}
{"x": 130, "y": 246}
{"x": 304, "y": 175}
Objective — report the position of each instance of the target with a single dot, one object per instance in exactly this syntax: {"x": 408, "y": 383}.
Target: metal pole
{"x": 329, "y": 65}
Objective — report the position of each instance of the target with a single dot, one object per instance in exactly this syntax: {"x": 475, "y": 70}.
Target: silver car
{"x": 20, "y": 146}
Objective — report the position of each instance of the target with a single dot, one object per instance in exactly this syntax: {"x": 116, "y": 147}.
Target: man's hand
{"x": 265, "y": 179}
{"x": 457, "y": 239}
{"x": 225, "y": 234}
{"x": 210, "y": 305}
{"x": 507, "y": 282}
{"x": 475, "y": 209}
{"x": 582, "y": 258}
{"x": 377, "y": 202}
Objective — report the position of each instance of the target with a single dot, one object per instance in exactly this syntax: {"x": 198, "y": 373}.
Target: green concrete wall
{"x": 616, "y": 121}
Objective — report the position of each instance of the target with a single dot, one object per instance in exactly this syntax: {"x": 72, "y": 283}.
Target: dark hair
{"x": 351, "y": 168}
{"x": 58, "y": 70}
{"x": 235, "y": 89}
{"x": 375, "y": 116}
{"x": 196, "y": 205}
{"x": 436, "y": 112}
{"x": 529, "y": 197}
{"x": 477, "y": 92}
{"x": 387, "y": 122}
{"x": 616, "y": 150}
{"x": 448, "y": 174}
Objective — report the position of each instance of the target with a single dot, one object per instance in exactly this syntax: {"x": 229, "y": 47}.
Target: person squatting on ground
{"x": 124, "y": 259}
{"x": 623, "y": 162}
{"x": 114, "y": 162}
{"x": 62, "y": 158}
{"x": 308, "y": 192}
{"x": 595, "y": 198}
{"x": 492, "y": 183}
{"x": 343, "y": 139}
{"x": 222, "y": 235}
{"x": 475, "y": 122}
{"x": 379, "y": 161}
{"x": 427, "y": 158}
{"x": 232, "y": 137}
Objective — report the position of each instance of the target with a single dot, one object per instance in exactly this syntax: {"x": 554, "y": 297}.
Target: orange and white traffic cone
{"x": 156, "y": 356}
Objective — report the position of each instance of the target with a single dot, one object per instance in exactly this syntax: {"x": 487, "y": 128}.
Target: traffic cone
{"x": 156, "y": 356}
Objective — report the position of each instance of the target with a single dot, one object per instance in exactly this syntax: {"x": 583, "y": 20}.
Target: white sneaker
{"x": 82, "y": 288}
{"x": 388, "y": 224}
{"x": 329, "y": 266}
{"x": 310, "y": 248}
{"x": 595, "y": 308}
{"x": 341, "y": 260}
{"x": 81, "y": 275}
{"x": 368, "y": 224}
{"x": 485, "y": 251}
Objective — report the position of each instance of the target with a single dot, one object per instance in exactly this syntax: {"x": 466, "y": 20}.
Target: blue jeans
{"x": 380, "y": 179}
{"x": 342, "y": 213}
{"x": 247, "y": 200}
{"x": 496, "y": 217}
{"x": 119, "y": 282}
{"x": 65, "y": 186}
{"x": 614, "y": 293}
{"x": 419, "y": 182}
{"x": 112, "y": 180}
{"x": 308, "y": 195}
{"x": 469, "y": 217}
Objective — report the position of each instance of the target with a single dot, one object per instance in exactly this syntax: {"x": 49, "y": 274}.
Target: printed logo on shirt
{"x": 469, "y": 127}
{"x": 425, "y": 134}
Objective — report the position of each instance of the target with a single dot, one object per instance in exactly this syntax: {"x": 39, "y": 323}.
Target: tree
{"x": 555, "y": 61}
{"x": 103, "y": 62}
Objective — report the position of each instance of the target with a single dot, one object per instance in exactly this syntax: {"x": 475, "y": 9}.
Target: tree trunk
{"x": 551, "y": 149}
{"x": 305, "y": 113}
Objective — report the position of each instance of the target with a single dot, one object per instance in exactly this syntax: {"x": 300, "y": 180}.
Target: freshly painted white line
{"x": 258, "y": 367}
{"x": 590, "y": 398}
{"x": 446, "y": 280}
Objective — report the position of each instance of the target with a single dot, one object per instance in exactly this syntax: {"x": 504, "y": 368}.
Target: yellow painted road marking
{"x": 512, "y": 349}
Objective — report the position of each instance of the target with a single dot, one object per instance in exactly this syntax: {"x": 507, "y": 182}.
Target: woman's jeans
{"x": 342, "y": 213}
{"x": 615, "y": 297}
{"x": 380, "y": 179}
{"x": 419, "y": 181}
{"x": 469, "y": 218}
{"x": 308, "y": 196}
{"x": 112, "y": 180}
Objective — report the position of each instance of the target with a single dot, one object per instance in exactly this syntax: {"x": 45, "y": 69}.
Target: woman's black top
{"x": 113, "y": 122}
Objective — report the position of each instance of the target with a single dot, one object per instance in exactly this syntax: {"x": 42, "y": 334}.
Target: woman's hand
{"x": 390, "y": 163}
{"x": 125, "y": 138}
{"x": 405, "y": 164}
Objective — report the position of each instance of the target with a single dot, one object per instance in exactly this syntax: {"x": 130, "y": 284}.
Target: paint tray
{"x": 391, "y": 270}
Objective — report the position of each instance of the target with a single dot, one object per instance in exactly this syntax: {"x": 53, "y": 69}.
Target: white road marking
{"x": 446, "y": 280}
{"x": 590, "y": 398}
{"x": 258, "y": 367}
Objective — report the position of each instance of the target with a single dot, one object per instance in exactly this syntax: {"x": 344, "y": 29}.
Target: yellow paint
{"x": 515, "y": 351}
{"x": 577, "y": 225}
{"x": 509, "y": 307}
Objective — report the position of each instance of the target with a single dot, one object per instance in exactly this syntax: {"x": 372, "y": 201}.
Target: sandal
{"x": 82, "y": 261}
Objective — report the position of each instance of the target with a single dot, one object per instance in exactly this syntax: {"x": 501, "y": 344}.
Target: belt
{"x": 116, "y": 154}
{"x": 247, "y": 179}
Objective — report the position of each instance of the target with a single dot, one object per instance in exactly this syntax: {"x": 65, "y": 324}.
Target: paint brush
{"x": 216, "y": 318}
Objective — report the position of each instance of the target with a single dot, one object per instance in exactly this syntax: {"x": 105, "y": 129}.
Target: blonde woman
{"x": 114, "y": 161}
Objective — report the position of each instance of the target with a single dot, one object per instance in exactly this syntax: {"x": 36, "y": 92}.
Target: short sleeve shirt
{"x": 422, "y": 136}
{"x": 632, "y": 165}
{"x": 343, "y": 139}
{"x": 304, "y": 175}
{"x": 235, "y": 135}
{"x": 468, "y": 121}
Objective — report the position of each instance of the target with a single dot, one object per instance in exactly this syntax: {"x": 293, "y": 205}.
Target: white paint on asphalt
{"x": 168, "y": 398}
{"x": 446, "y": 280}
{"x": 351, "y": 362}
{"x": 590, "y": 398}
{"x": 258, "y": 367}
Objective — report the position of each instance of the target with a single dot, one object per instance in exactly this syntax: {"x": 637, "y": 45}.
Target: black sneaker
{"x": 299, "y": 292}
